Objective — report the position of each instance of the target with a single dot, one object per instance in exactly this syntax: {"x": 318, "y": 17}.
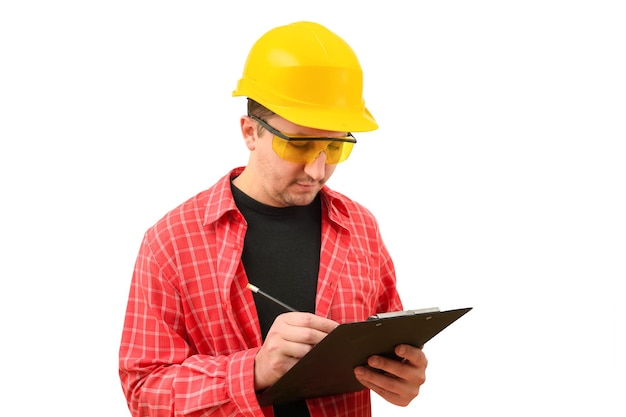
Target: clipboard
{"x": 328, "y": 368}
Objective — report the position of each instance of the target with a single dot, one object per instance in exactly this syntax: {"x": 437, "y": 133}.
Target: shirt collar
{"x": 219, "y": 200}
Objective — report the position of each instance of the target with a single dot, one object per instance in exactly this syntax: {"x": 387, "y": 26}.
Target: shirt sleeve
{"x": 160, "y": 371}
{"x": 390, "y": 298}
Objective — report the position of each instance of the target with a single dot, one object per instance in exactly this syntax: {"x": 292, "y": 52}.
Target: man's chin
{"x": 301, "y": 199}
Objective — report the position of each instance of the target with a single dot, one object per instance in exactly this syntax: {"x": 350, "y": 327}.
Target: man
{"x": 196, "y": 341}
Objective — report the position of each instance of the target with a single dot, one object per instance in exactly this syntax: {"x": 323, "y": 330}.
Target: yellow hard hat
{"x": 308, "y": 75}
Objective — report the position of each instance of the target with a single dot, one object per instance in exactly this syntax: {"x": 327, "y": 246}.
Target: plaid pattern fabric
{"x": 191, "y": 331}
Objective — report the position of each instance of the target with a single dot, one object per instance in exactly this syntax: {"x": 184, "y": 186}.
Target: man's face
{"x": 281, "y": 183}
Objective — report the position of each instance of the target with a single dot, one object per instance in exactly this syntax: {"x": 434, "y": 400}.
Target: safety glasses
{"x": 306, "y": 149}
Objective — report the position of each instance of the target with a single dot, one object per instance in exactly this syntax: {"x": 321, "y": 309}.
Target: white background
{"x": 498, "y": 177}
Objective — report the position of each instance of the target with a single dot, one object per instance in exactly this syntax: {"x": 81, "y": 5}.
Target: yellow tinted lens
{"x": 338, "y": 152}
{"x": 306, "y": 151}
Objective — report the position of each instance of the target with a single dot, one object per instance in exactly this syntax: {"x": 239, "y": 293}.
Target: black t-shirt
{"x": 281, "y": 256}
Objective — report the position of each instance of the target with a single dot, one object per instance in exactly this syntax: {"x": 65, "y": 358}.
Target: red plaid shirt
{"x": 191, "y": 330}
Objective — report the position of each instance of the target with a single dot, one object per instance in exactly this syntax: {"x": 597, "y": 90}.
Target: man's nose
{"x": 317, "y": 168}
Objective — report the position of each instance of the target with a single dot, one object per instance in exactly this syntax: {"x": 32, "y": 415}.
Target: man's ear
{"x": 248, "y": 131}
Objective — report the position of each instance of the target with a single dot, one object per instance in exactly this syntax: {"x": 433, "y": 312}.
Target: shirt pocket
{"x": 359, "y": 284}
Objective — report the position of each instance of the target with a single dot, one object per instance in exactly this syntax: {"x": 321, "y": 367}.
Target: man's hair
{"x": 258, "y": 110}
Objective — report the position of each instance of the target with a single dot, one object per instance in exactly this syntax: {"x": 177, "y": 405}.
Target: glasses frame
{"x": 348, "y": 138}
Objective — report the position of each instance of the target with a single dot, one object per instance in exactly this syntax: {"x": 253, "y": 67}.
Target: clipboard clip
{"x": 392, "y": 314}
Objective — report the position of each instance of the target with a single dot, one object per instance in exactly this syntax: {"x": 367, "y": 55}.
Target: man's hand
{"x": 291, "y": 336}
{"x": 400, "y": 381}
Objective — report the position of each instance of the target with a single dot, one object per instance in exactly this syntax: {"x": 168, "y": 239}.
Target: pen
{"x": 256, "y": 290}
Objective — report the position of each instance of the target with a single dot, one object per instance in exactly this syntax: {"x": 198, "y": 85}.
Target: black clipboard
{"x": 328, "y": 368}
